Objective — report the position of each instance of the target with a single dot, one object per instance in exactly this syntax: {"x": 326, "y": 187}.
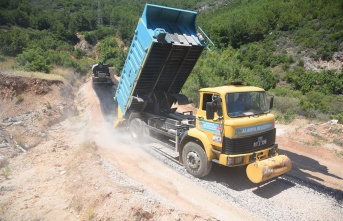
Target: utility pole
{"x": 100, "y": 21}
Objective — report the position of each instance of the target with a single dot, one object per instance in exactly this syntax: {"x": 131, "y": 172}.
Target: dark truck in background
{"x": 101, "y": 73}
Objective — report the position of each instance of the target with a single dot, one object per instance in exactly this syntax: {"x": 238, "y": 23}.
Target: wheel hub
{"x": 193, "y": 160}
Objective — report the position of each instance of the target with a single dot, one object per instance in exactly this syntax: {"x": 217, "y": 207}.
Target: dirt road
{"x": 83, "y": 169}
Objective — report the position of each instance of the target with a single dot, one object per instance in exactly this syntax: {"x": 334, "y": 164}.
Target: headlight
{"x": 234, "y": 160}
{"x": 230, "y": 161}
{"x": 238, "y": 160}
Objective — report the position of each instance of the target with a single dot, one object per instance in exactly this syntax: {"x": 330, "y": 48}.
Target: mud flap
{"x": 269, "y": 168}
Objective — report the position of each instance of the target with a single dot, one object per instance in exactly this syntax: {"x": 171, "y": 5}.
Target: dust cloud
{"x": 100, "y": 110}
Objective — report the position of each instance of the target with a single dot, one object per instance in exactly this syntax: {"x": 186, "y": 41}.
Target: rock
{"x": 18, "y": 123}
{"x": 333, "y": 121}
{"x": 3, "y": 145}
{"x": 6, "y": 124}
{"x": 62, "y": 206}
{"x": 108, "y": 193}
{"x": 20, "y": 148}
{"x": 12, "y": 119}
{"x": 41, "y": 134}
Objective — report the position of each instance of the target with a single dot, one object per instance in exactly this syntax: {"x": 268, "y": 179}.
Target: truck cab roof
{"x": 231, "y": 88}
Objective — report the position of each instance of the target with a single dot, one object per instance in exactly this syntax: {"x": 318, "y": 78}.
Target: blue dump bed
{"x": 163, "y": 52}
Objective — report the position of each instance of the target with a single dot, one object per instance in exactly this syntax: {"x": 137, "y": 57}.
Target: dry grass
{"x": 3, "y": 163}
{"x": 85, "y": 150}
{"x": 8, "y": 64}
{"x": 40, "y": 75}
{"x": 18, "y": 138}
{"x": 65, "y": 73}
{"x": 20, "y": 98}
{"x": 338, "y": 142}
{"x": 77, "y": 171}
{"x": 57, "y": 73}
{"x": 283, "y": 104}
{"x": 90, "y": 213}
{"x": 76, "y": 203}
{"x": 338, "y": 153}
{"x": 39, "y": 117}
{"x": 6, "y": 171}
{"x": 48, "y": 105}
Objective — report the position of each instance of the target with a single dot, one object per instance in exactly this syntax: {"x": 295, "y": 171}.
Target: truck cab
{"x": 231, "y": 116}
{"x": 233, "y": 126}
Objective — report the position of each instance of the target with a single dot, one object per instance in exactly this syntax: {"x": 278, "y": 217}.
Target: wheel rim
{"x": 193, "y": 160}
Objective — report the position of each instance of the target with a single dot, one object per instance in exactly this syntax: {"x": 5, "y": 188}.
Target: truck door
{"x": 213, "y": 128}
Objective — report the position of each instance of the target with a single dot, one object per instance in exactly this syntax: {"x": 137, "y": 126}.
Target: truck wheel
{"x": 195, "y": 160}
{"x": 136, "y": 129}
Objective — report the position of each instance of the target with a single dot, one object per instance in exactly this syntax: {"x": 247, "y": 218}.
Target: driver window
{"x": 216, "y": 100}
{"x": 206, "y": 98}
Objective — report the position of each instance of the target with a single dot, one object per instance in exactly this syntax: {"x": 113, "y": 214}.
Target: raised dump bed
{"x": 163, "y": 52}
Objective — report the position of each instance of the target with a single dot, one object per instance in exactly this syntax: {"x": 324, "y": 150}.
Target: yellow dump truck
{"x": 233, "y": 125}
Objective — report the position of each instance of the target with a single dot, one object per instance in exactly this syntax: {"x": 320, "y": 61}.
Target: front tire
{"x": 195, "y": 160}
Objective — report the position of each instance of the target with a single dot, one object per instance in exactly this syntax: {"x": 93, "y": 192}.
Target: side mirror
{"x": 209, "y": 111}
{"x": 271, "y": 103}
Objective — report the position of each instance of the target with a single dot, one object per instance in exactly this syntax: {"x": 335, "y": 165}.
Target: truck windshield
{"x": 246, "y": 103}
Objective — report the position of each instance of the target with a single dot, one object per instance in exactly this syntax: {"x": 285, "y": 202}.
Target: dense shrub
{"x": 339, "y": 117}
{"x": 13, "y": 42}
{"x": 83, "y": 66}
{"x": 286, "y": 92}
{"x": 311, "y": 105}
{"x": 91, "y": 38}
{"x": 34, "y": 59}
{"x": 111, "y": 53}
{"x": 2, "y": 58}
{"x": 327, "y": 82}
{"x": 286, "y": 117}
{"x": 108, "y": 48}
{"x": 79, "y": 53}
{"x": 283, "y": 104}
{"x": 312, "y": 24}
{"x": 103, "y": 32}
{"x": 62, "y": 59}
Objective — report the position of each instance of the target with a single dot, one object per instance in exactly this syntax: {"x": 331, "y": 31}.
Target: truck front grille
{"x": 249, "y": 144}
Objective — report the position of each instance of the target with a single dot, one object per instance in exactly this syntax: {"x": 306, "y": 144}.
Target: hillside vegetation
{"x": 266, "y": 43}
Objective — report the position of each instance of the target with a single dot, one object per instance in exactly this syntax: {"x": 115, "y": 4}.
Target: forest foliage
{"x": 252, "y": 39}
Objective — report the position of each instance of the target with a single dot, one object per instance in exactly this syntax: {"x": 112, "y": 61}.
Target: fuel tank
{"x": 263, "y": 170}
